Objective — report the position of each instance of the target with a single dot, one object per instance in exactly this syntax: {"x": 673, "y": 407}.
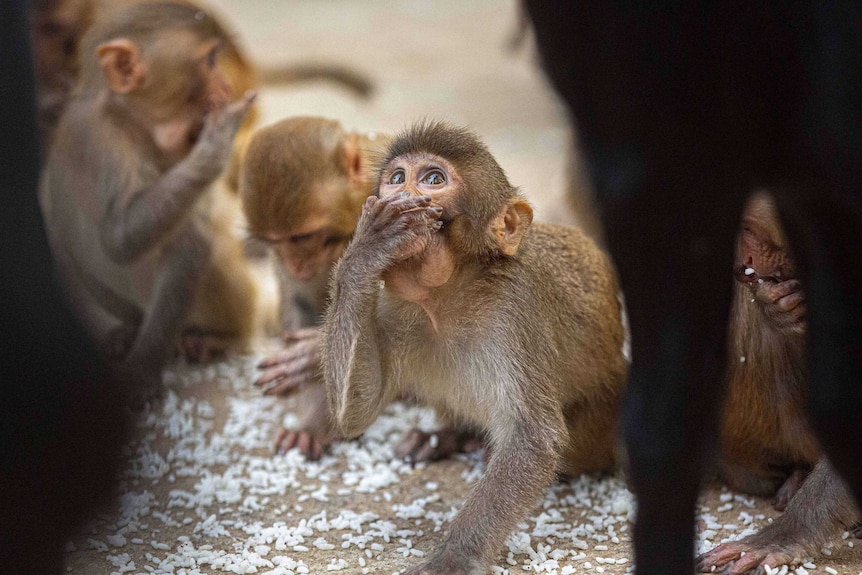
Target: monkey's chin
{"x": 413, "y": 279}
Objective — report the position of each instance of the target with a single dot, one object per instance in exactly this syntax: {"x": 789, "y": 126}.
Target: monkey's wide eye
{"x": 434, "y": 178}
{"x": 397, "y": 177}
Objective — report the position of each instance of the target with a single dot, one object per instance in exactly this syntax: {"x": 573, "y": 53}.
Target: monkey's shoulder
{"x": 553, "y": 245}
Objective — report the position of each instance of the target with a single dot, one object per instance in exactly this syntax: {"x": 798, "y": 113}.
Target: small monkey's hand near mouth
{"x": 782, "y": 300}
{"x": 214, "y": 145}
{"x": 783, "y": 303}
{"x": 394, "y": 228}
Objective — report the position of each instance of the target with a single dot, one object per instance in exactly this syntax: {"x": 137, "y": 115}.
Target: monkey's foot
{"x": 856, "y": 530}
{"x": 448, "y": 564}
{"x": 788, "y": 489}
{"x": 198, "y": 345}
{"x": 738, "y": 557}
{"x": 417, "y": 445}
{"x": 309, "y": 443}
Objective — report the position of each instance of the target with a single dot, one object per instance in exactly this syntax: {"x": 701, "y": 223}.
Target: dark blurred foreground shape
{"x": 61, "y": 416}
{"x": 684, "y": 108}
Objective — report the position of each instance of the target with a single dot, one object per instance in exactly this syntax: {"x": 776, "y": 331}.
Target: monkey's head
{"x": 302, "y": 184}
{"x": 762, "y": 245}
{"x": 484, "y": 216}
{"x": 159, "y": 60}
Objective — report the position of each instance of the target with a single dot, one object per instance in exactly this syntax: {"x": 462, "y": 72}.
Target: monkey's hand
{"x": 309, "y": 443}
{"x": 290, "y": 369}
{"x": 777, "y": 544}
{"x": 783, "y": 304}
{"x": 315, "y": 431}
{"x": 393, "y": 228}
{"x": 213, "y": 148}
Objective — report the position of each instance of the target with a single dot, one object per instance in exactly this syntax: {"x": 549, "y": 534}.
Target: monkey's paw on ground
{"x": 309, "y": 443}
{"x": 751, "y": 554}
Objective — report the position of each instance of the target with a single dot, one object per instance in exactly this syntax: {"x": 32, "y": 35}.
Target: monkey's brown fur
{"x": 511, "y": 329}
{"x": 124, "y": 192}
{"x": 767, "y": 445}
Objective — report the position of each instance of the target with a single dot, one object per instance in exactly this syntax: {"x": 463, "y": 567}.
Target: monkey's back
{"x": 580, "y": 309}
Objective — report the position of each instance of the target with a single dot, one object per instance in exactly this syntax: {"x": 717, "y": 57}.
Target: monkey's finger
{"x": 395, "y": 205}
{"x": 717, "y": 557}
{"x": 751, "y": 560}
{"x": 791, "y": 301}
{"x": 285, "y": 441}
{"x": 304, "y": 443}
{"x": 283, "y": 357}
{"x": 772, "y": 560}
{"x": 294, "y": 365}
{"x": 288, "y": 385}
{"x": 300, "y": 334}
{"x": 316, "y": 450}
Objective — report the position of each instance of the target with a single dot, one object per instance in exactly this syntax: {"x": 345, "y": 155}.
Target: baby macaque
{"x": 124, "y": 194}
{"x": 303, "y": 183}
{"x": 448, "y": 294}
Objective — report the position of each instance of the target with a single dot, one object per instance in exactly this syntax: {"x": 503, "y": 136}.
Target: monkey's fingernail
{"x": 437, "y": 210}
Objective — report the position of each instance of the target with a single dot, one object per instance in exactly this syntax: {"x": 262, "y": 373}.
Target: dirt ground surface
{"x": 202, "y": 491}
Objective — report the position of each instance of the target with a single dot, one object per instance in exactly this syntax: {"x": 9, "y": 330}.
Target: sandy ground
{"x": 202, "y": 491}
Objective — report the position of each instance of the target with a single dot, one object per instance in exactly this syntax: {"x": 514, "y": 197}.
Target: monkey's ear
{"x": 353, "y": 160}
{"x": 511, "y": 224}
{"x": 122, "y": 65}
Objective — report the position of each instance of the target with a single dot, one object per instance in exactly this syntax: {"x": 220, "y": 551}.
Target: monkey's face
{"x": 310, "y": 249}
{"x": 187, "y": 84}
{"x": 762, "y": 246}
{"x": 432, "y": 261}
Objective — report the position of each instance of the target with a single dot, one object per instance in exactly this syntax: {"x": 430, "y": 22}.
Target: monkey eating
{"x": 149, "y": 129}
{"x": 767, "y": 446}
{"x": 302, "y": 183}
{"x": 448, "y": 294}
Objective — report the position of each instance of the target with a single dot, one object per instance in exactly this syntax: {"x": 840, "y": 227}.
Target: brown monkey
{"x": 147, "y": 132}
{"x": 302, "y": 184}
{"x": 448, "y": 294}
{"x": 767, "y": 445}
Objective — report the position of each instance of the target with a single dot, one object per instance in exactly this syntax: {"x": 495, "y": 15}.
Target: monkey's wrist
{"x": 203, "y": 167}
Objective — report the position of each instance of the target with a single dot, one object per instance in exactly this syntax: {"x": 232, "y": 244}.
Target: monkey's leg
{"x": 821, "y": 507}
{"x": 185, "y": 263}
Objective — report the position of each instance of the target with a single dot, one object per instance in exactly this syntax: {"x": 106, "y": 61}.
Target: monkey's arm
{"x": 133, "y": 224}
{"x": 352, "y": 370}
{"x": 815, "y": 514}
{"x": 351, "y": 351}
{"x": 524, "y": 457}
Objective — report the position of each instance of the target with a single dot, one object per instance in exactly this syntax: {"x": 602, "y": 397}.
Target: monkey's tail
{"x": 360, "y": 84}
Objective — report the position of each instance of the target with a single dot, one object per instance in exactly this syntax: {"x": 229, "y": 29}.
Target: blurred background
{"x": 471, "y": 62}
